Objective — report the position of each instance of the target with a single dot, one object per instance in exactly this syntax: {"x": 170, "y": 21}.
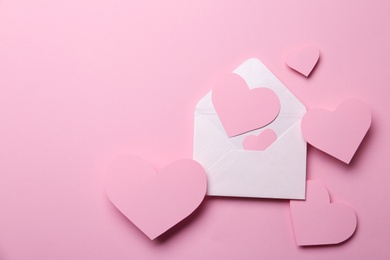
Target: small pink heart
{"x": 260, "y": 142}
{"x": 153, "y": 201}
{"x": 316, "y": 221}
{"x": 303, "y": 61}
{"x": 241, "y": 109}
{"x": 338, "y": 133}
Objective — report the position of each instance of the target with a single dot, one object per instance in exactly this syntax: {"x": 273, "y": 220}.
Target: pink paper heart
{"x": 241, "y": 109}
{"x": 303, "y": 61}
{"x": 316, "y": 221}
{"x": 260, "y": 142}
{"x": 153, "y": 201}
{"x": 338, "y": 133}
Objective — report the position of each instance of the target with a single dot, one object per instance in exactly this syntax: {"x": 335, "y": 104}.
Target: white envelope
{"x": 277, "y": 172}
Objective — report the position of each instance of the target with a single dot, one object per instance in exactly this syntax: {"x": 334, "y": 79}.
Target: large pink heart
{"x": 240, "y": 109}
{"x": 153, "y": 201}
{"x": 316, "y": 221}
{"x": 304, "y": 60}
{"x": 338, "y": 133}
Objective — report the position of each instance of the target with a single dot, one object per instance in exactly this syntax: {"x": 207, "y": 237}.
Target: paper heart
{"x": 260, "y": 142}
{"x": 316, "y": 221}
{"x": 338, "y": 133}
{"x": 153, "y": 201}
{"x": 240, "y": 109}
{"x": 303, "y": 61}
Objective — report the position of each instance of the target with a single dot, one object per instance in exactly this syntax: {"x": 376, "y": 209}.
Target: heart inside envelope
{"x": 241, "y": 109}
{"x": 260, "y": 142}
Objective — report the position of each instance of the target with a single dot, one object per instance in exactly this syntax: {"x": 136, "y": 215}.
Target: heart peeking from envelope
{"x": 277, "y": 172}
{"x": 240, "y": 109}
{"x": 260, "y": 142}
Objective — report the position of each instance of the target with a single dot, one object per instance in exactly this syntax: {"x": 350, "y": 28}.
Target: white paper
{"x": 279, "y": 171}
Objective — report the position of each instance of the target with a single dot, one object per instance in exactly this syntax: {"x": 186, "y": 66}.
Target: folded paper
{"x": 277, "y": 172}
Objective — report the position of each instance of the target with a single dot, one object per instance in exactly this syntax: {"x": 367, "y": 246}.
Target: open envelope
{"x": 277, "y": 172}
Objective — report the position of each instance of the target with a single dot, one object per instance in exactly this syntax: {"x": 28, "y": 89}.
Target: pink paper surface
{"x": 82, "y": 81}
{"x": 155, "y": 201}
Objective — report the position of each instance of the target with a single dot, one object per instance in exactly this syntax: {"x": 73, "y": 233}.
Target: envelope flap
{"x": 256, "y": 74}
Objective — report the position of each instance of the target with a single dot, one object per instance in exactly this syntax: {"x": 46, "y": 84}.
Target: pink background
{"x": 81, "y": 81}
